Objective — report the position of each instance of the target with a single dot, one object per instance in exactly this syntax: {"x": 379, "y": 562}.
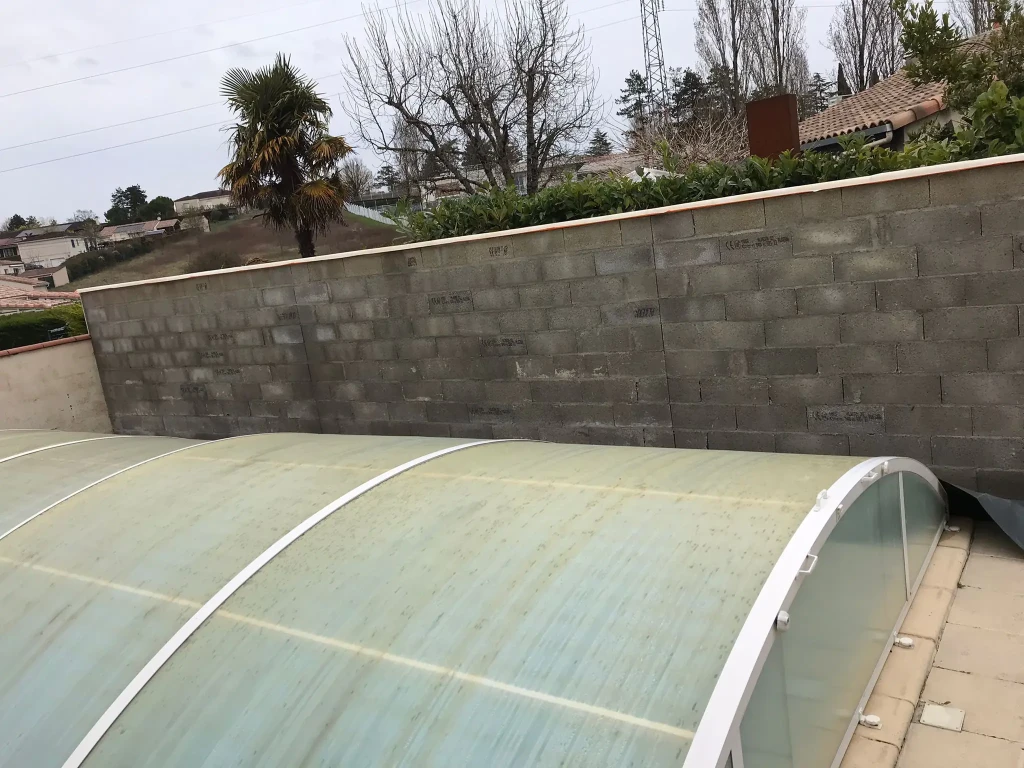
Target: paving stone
{"x": 867, "y": 753}
{"x": 998, "y": 574}
{"x": 928, "y": 612}
{"x": 945, "y": 568}
{"x": 985, "y": 652}
{"x": 928, "y": 747}
{"x": 990, "y": 540}
{"x": 987, "y": 609}
{"x": 991, "y": 707}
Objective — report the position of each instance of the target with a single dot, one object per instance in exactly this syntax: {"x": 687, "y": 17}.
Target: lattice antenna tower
{"x": 654, "y": 55}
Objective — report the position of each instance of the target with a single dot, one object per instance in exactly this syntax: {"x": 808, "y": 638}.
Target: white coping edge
{"x": 58, "y": 445}
{"x": 32, "y": 517}
{"x": 878, "y": 178}
{"x": 720, "y": 721}
{"x": 133, "y": 688}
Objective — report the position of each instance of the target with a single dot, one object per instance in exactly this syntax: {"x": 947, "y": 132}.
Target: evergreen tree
{"x": 842, "y": 86}
{"x": 634, "y": 98}
{"x": 690, "y": 95}
{"x": 600, "y": 144}
{"x": 387, "y": 178}
{"x": 818, "y": 96}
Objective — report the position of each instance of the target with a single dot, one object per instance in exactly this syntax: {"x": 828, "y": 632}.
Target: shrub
{"x": 93, "y": 261}
{"x": 993, "y": 126}
{"x": 206, "y": 262}
{"x": 26, "y": 328}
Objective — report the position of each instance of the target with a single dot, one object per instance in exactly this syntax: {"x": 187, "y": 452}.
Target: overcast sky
{"x": 52, "y": 41}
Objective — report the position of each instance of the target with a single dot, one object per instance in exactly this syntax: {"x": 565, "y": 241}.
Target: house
{"x": 19, "y": 294}
{"x": 54, "y": 277}
{"x": 52, "y": 249}
{"x": 8, "y": 250}
{"x": 118, "y": 233}
{"x": 619, "y": 163}
{"x": 566, "y": 167}
{"x": 889, "y": 113}
{"x": 204, "y": 201}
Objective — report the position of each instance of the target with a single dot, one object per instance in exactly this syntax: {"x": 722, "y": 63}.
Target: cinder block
{"x": 611, "y": 391}
{"x": 376, "y": 350}
{"x": 971, "y": 323}
{"x": 845, "y": 419}
{"x": 761, "y": 305}
{"x": 911, "y": 446}
{"x": 714, "y": 335}
{"x": 1006, "y": 354}
{"x": 473, "y": 277}
{"x": 818, "y": 443}
{"x": 404, "y": 411}
{"x": 882, "y": 198}
{"x": 881, "y": 264}
{"x": 686, "y": 253}
{"x": 771, "y": 418}
{"x": 631, "y": 258}
{"x": 543, "y": 243}
{"x": 642, "y": 415}
{"x": 698, "y": 362}
{"x": 414, "y": 305}
{"x": 684, "y": 390}
{"x": 439, "y": 325}
{"x": 1018, "y": 250}
{"x": 761, "y": 442}
{"x": 416, "y": 349}
{"x": 447, "y": 412}
{"x": 996, "y": 288}
{"x": 684, "y": 309}
{"x": 500, "y": 298}
{"x": 986, "y": 452}
{"x": 998, "y": 420}
{"x": 928, "y": 419}
{"x": 783, "y": 211}
{"x": 520, "y": 272}
{"x": 802, "y": 331}
{"x": 941, "y": 356}
{"x": 920, "y": 293}
{"x": 724, "y": 216}
{"x": 615, "y": 288}
{"x": 556, "y": 391}
{"x": 568, "y": 266}
{"x": 836, "y": 298}
{"x": 590, "y": 414}
{"x": 805, "y": 390}
{"x": 932, "y": 224}
{"x": 475, "y": 324}
{"x": 987, "y": 254}
{"x": 637, "y": 364}
{"x": 998, "y": 182}
{"x": 603, "y": 340}
{"x": 508, "y": 322}
{"x": 857, "y": 358}
{"x": 871, "y": 327}
{"x": 367, "y": 309}
{"x": 775, "y": 362}
{"x": 636, "y": 230}
{"x": 672, "y": 226}
{"x": 897, "y": 389}
{"x": 770, "y": 246}
{"x": 573, "y": 317}
{"x": 1002, "y": 218}
{"x": 392, "y": 329}
{"x": 458, "y": 347}
{"x": 358, "y": 266}
{"x": 286, "y": 334}
{"x": 720, "y": 278}
{"x": 387, "y": 285}
{"x": 685, "y": 438}
{"x": 551, "y": 343}
{"x": 507, "y": 391}
{"x": 832, "y": 236}
{"x": 586, "y": 237}
{"x": 807, "y": 270}
{"x": 703, "y": 416}
{"x": 1007, "y": 483}
{"x": 745, "y": 390}
{"x": 541, "y": 295}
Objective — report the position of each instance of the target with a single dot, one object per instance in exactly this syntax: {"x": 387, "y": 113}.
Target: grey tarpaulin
{"x": 1008, "y": 514}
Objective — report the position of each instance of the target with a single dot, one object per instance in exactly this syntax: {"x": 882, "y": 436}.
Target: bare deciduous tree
{"x": 461, "y": 78}
{"x": 723, "y": 35}
{"x": 777, "y": 54}
{"x": 357, "y": 178}
{"x": 973, "y": 16}
{"x": 864, "y": 35}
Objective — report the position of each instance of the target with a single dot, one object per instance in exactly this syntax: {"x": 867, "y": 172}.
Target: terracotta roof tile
{"x": 895, "y": 100}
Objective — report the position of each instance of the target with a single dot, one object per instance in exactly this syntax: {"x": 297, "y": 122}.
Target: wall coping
{"x": 878, "y": 178}
{"x": 44, "y": 345}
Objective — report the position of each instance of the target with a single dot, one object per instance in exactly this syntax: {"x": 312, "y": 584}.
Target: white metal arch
{"x": 57, "y": 445}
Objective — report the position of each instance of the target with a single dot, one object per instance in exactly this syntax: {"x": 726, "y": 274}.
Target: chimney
{"x": 772, "y": 126}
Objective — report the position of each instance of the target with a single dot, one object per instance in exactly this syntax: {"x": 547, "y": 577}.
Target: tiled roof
{"x": 204, "y": 195}
{"x": 12, "y": 297}
{"x": 22, "y": 280}
{"x": 895, "y": 101}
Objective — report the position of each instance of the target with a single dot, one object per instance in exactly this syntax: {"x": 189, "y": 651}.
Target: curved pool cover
{"x": 293, "y": 600}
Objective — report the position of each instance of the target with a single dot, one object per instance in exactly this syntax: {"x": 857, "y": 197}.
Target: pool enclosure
{"x": 287, "y": 600}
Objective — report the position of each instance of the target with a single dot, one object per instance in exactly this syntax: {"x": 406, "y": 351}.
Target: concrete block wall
{"x": 859, "y": 319}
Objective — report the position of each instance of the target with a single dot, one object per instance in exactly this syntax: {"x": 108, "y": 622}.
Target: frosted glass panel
{"x": 926, "y": 513}
{"x": 840, "y": 622}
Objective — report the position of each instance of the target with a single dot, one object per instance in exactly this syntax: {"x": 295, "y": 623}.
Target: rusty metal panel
{"x": 511, "y": 604}
{"x": 93, "y": 588}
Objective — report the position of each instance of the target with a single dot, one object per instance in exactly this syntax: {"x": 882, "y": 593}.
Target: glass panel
{"x": 515, "y": 604}
{"x": 93, "y": 588}
{"x": 926, "y": 513}
{"x": 840, "y": 622}
{"x": 36, "y": 481}
{"x": 17, "y": 441}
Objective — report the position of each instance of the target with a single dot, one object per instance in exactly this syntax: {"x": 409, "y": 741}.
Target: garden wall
{"x": 868, "y": 317}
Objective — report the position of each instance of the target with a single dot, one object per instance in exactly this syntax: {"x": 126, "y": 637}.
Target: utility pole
{"x": 654, "y": 55}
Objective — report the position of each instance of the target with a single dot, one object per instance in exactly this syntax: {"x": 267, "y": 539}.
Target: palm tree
{"x": 284, "y": 160}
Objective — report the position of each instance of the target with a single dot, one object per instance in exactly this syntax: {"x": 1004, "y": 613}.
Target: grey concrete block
{"x": 514, "y": 320}
{"x": 720, "y": 278}
{"x": 684, "y": 390}
{"x": 760, "y": 305}
{"x": 287, "y": 334}
{"x": 429, "y": 281}
{"x": 987, "y": 254}
{"x": 920, "y": 293}
{"x": 347, "y": 289}
{"x": 440, "y": 325}
{"x": 858, "y": 358}
{"x": 997, "y": 182}
{"x": 703, "y": 416}
{"x": 414, "y": 305}
{"x": 520, "y": 272}
{"x": 869, "y": 327}
{"x": 556, "y": 391}
{"x": 588, "y": 414}
{"x": 543, "y": 243}
{"x": 836, "y": 298}
{"x": 614, "y": 261}
{"x": 928, "y": 419}
{"x": 1005, "y": 355}
{"x": 714, "y": 335}
{"x": 387, "y": 285}
{"x": 770, "y": 246}
{"x": 832, "y": 236}
{"x": 1007, "y": 483}
{"x": 364, "y": 264}
{"x": 808, "y": 270}
{"x": 642, "y": 415}
{"x": 971, "y": 323}
{"x": 632, "y": 313}
{"x": 805, "y": 390}
{"x": 683, "y": 309}
{"x": 686, "y": 253}
{"x": 573, "y": 317}
{"x": 464, "y": 391}
{"x": 773, "y": 362}
{"x": 813, "y": 443}
{"x": 392, "y": 329}
{"x": 932, "y": 224}
{"x": 882, "y": 198}
{"x": 367, "y": 309}
{"x": 996, "y": 288}
{"x": 941, "y": 356}
{"x": 603, "y": 340}
{"x": 404, "y": 411}
{"x": 551, "y": 343}
{"x": 636, "y": 364}
{"x": 351, "y": 332}
{"x": 496, "y": 298}
{"x": 568, "y": 266}
{"x": 725, "y": 216}
{"x": 846, "y": 419}
{"x": 911, "y": 446}
{"x": 802, "y": 331}
{"x": 987, "y": 452}
{"x": 691, "y": 439}
{"x": 415, "y": 349}
{"x": 475, "y": 277}
{"x": 476, "y": 324}
{"x": 507, "y": 391}
{"x": 983, "y": 388}
{"x": 611, "y": 391}
{"x": 998, "y": 420}
{"x": 1018, "y": 250}
{"x": 450, "y": 302}
{"x": 898, "y": 389}
{"x": 544, "y": 295}
{"x": 672, "y": 226}
{"x": 882, "y": 264}
{"x": 587, "y": 237}
{"x": 673, "y": 282}
{"x": 784, "y": 211}
{"x": 1002, "y": 218}
{"x": 376, "y": 350}
{"x": 699, "y": 362}
{"x": 636, "y": 231}
{"x": 771, "y": 418}
{"x": 747, "y": 390}
{"x": 761, "y": 442}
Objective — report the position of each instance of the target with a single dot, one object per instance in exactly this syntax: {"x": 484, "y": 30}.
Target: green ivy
{"x": 993, "y": 126}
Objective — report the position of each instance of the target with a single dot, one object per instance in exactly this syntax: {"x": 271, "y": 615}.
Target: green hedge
{"x": 994, "y": 126}
{"x": 93, "y": 261}
{"x": 26, "y": 328}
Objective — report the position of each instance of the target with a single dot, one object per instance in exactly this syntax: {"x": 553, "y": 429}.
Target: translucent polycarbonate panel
{"x": 512, "y": 604}
{"x": 17, "y": 441}
{"x": 840, "y": 621}
{"x": 32, "y": 483}
{"x": 93, "y": 588}
{"x": 926, "y": 514}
